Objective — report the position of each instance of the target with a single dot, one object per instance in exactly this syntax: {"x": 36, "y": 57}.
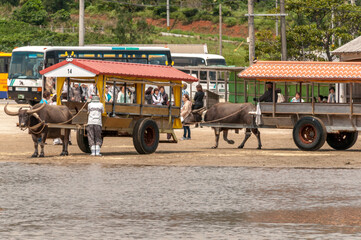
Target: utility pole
{"x": 220, "y": 29}
{"x": 81, "y": 22}
{"x": 276, "y": 19}
{"x": 168, "y": 25}
{"x": 283, "y": 31}
{"x": 251, "y": 35}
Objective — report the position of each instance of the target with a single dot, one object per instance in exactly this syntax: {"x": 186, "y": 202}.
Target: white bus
{"x": 193, "y": 59}
{"x": 25, "y": 83}
{"x": 202, "y": 60}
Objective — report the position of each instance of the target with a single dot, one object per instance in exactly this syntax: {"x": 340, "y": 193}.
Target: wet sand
{"x": 278, "y": 150}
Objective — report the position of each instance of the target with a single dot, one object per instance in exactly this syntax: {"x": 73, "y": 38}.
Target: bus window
{"x": 157, "y": 59}
{"x": 188, "y": 61}
{"x": 87, "y": 55}
{"x": 214, "y": 62}
{"x": 50, "y": 59}
{"x": 109, "y": 55}
{"x": 4, "y": 64}
{"x": 137, "y": 60}
{"x": 200, "y": 62}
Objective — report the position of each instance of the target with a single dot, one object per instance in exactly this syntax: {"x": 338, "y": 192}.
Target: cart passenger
{"x": 108, "y": 95}
{"x": 123, "y": 96}
{"x": 148, "y": 95}
{"x": 331, "y": 96}
{"x": 94, "y": 127}
{"x": 163, "y": 95}
{"x": 268, "y": 95}
{"x": 75, "y": 93}
{"x": 297, "y": 98}
{"x": 157, "y": 98}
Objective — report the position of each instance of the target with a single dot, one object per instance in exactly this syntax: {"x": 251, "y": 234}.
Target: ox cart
{"x": 313, "y": 122}
{"x": 128, "y": 115}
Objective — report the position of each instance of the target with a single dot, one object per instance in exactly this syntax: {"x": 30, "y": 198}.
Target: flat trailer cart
{"x": 127, "y": 115}
{"x": 313, "y": 122}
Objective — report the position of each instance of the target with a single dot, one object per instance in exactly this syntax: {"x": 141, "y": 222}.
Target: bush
{"x": 230, "y": 21}
{"x": 32, "y": 12}
{"x": 190, "y": 12}
{"x": 61, "y": 16}
{"x": 162, "y": 11}
{"x": 226, "y": 12}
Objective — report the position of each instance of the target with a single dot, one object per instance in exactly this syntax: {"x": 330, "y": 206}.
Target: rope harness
{"x": 220, "y": 119}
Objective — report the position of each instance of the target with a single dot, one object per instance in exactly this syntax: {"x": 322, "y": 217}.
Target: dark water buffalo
{"x": 36, "y": 119}
{"x": 238, "y": 113}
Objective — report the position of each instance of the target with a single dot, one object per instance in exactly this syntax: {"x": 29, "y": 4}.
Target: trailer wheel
{"x": 309, "y": 133}
{"x": 342, "y": 140}
{"x": 82, "y": 141}
{"x": 145, "y": 136}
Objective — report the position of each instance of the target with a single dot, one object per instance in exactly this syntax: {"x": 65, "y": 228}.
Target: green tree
{"x": 61, "y": 16}
{"x": 268, "y": 46}
{"x": 32, "y": 12}
{"x": 11, "y": 2}
{"x": 132, "y": 30}
{"x": 56, "y": 5}
{"x": 16, "y": 34}
{"x": 316, "y": 26}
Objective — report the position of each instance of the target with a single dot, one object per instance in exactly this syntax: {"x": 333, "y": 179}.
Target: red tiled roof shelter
{"x": 125, "y": 70}
{"x": 295, "y": 71}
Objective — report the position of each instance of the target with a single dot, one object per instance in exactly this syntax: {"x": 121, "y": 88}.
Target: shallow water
{"x": 117, "y": 202}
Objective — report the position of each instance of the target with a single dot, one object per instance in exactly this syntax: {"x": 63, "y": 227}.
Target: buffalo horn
{"x": 10, "y": 112}
{"x": 31, "y": 111}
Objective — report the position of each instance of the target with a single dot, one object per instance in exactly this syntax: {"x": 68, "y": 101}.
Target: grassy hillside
{"x": 21, "y": 23}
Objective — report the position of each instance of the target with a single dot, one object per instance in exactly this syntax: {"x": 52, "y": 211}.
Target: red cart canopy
{"x": 133, "y": 71}
{"x": 303, "y": 71}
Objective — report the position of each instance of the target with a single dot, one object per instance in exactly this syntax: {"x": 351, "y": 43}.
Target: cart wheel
{"x": 82, "y": 141}
{"x": 145, "y": 136}
{"x": 342, "y": 140}
{"x": 309, "y": 133}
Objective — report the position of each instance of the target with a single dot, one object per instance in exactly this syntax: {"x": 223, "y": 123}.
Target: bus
{"x": 26, "y": 84}
{"x": 194, "y": 60}
{"x": 4, "y": 69}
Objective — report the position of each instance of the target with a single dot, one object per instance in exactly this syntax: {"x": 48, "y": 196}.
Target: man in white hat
{"x": 94, "y": 128}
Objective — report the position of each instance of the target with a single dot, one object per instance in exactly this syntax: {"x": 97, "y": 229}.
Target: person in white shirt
{"x": 94, "y": 127}
{"x": 157, "y": 98}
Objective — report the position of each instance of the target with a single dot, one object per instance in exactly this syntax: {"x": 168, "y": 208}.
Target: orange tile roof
{"x": 126, "y": 70}
{"x": 303, "y": 71}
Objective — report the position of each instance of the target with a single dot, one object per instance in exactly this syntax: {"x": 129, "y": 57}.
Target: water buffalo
{"x": 218, "y": 113}
{"x": 36, "y": 119}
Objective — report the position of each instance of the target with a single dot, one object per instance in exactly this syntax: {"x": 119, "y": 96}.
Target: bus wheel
{"x": 82, "y": 141}
{"x": 342, "y": 140}
{"x": 145, "y": 136}
{"x": 309, "y": 133}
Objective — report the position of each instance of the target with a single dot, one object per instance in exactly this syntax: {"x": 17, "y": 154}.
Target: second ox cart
{"x": 313, "y": 122}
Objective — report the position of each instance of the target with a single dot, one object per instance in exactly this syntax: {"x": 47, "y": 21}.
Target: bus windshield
{"x": 26, "y": 65}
